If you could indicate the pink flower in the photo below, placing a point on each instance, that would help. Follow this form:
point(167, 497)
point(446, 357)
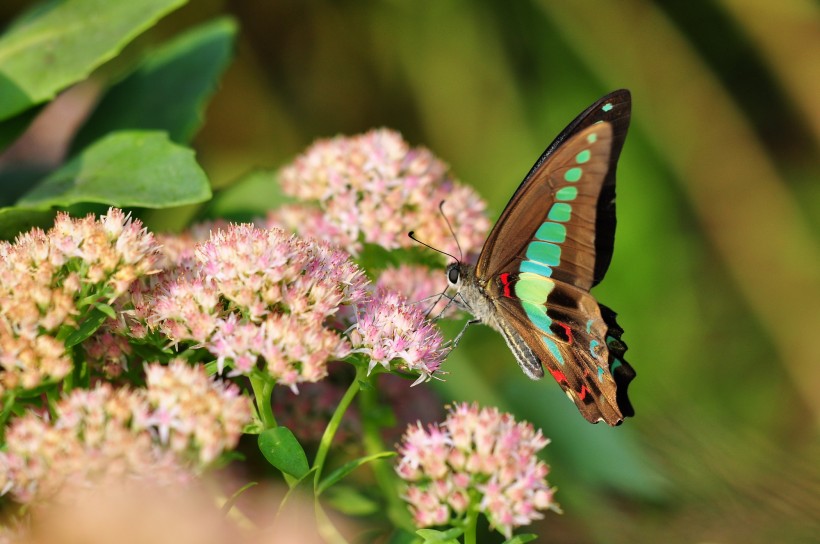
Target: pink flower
point(193, 414)
point(163, 435)
point(389, 329)
point(252, 296)
point(99, 437)
point(47, 281)
point(483, 454)
point(374, 188)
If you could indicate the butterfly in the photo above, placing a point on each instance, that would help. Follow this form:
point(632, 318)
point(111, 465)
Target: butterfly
point(551, 245)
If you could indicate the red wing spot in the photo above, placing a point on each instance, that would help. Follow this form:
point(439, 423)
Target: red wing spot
point(567, 330)
point(583, 392)
point(505, 281)
point(558, 375)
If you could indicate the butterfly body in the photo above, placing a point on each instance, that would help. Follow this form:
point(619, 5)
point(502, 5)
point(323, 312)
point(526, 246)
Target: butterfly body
point(551, 245)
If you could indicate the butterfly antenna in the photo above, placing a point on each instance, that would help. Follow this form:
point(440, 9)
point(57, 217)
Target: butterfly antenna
point(412, 235)
point(449, 226)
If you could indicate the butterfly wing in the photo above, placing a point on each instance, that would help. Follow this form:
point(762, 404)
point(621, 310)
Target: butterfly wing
point(573, 336)
point(553, 243)
point(583, 156)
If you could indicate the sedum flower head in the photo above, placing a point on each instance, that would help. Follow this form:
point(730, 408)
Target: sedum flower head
point(254, 294)
point(47, 280)
point(478, 457)
point(390, 329)
point(375, 188)
point(194, 414)
point(162, 434)
point(99, 436)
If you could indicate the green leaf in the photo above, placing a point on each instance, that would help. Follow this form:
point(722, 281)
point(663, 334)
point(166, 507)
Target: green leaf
point(130, 168)
point(88, 326)
point(521, 539)
point(350, 501)
point(347, 468)
point(442, 537)
point(109, 311)
point(169, 90)
point(14, 221)
point(283, 451)
point(56, 47)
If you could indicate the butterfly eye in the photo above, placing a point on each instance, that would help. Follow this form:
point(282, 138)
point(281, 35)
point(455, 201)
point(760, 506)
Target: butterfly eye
point(452, 275)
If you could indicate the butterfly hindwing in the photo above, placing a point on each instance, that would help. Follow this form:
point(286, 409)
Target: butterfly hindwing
point(569, 333)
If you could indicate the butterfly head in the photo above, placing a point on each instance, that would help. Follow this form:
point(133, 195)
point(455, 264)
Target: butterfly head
point(454, 275)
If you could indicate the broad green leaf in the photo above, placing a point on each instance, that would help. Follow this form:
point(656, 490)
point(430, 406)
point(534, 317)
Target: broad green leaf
point(350, 501)
point(130, 168)
point(56, 47)
point(347, 468)
point(283, 451)
point(169, 90)
point(14, 221)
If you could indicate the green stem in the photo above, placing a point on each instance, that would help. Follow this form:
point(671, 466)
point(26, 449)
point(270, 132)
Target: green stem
point(262, 386)
point(386, 478)
point(333, 424)
point(470, 525)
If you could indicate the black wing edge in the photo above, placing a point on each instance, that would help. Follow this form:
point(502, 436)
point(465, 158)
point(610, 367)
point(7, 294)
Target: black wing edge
point(618, 116)
point(622, 372)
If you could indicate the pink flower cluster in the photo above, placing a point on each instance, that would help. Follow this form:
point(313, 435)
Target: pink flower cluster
point(390, 329)
point(194, 415)
point(476, 458)
point(375, 188)
point(45, 277)
point(253, 293)
point(162, 434)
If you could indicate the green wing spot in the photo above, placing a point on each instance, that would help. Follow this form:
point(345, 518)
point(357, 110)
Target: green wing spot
point(553, 347)
point(560, 212)
point(544, 252)
point(592, 138)
point(535, 268)
point(573, 174)
point(567, 193)
point(552, 232)
point(584, 155)
point(533, 288)
point(606, 107)
point(537, 314)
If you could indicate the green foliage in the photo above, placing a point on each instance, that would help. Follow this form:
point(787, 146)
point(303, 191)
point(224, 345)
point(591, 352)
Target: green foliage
point(63, 42)
point(171, 88)
point(127, 168)
point(283, 451)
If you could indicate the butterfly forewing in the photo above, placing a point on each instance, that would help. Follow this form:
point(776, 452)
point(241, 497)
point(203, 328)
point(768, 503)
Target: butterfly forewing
point(504, 243)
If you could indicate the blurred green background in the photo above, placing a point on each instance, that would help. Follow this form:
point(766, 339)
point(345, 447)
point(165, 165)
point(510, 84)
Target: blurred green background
point(716, 274)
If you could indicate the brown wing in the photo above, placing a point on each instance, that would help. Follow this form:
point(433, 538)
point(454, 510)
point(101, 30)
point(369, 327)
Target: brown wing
point(557, 207)
point(575, 338)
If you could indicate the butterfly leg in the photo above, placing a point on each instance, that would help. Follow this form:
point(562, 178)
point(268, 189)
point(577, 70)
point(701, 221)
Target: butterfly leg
point(457, 339)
